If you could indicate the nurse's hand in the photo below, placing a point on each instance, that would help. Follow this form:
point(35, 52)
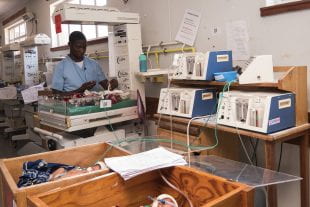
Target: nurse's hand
point(104, 84)
point(87, 86)
point(113, 84)
point(109, 85)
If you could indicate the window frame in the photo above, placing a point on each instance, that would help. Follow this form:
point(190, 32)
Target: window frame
point(96, 40)
point(284, 7)
point(11, 28)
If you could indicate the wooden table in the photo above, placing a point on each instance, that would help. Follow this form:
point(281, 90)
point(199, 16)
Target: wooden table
point(297, 134)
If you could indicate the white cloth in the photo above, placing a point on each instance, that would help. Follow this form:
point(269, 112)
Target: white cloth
point(80, 64)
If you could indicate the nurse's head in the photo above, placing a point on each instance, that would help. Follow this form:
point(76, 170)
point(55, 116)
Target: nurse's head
point(77, 44)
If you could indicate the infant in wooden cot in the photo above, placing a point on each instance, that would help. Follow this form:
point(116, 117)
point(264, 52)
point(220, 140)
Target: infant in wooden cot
point(40, 171)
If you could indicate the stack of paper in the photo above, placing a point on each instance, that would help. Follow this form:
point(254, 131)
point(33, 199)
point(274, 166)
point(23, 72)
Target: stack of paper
point(133, 165)
point(31, 94)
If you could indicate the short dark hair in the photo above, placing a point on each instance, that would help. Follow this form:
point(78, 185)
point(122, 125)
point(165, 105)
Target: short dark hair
point(76, 35)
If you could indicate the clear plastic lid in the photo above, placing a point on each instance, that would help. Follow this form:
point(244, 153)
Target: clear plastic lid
point(236, 171)
point(240, 172)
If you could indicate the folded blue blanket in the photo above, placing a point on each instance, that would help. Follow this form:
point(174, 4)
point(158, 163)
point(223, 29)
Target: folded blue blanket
point(39, 172)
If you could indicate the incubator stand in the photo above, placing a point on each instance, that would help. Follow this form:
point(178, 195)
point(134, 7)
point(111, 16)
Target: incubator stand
point(252, 176)
point(15, 117)
point(71, 114)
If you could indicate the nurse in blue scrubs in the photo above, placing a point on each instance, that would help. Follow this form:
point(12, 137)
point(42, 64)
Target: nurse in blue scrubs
point(77, 73)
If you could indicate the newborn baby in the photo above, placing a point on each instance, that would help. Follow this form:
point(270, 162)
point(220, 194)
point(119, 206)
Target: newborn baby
point(165, 200)
point(63, 173)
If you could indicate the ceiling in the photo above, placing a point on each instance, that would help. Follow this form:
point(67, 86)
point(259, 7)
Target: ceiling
point(7, 6)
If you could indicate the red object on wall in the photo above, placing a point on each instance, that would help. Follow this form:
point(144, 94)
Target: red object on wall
point(58, 23)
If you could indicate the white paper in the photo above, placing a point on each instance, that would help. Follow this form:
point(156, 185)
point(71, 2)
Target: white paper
point(31, 94)
point(189, 27)
point(31, 66)
point(133, 165)
point(238, 40)
point(9, 92)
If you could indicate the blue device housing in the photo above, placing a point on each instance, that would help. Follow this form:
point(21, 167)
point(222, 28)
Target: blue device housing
point(215, 66)
point(280, 119)
point(201, 106)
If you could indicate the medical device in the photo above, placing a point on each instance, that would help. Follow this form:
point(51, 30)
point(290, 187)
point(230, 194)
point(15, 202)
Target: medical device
point(63, 140)
point(264, 112)
point(11, 70)
point(30, 58)
point(124, 51)
point(259, 69)
point(86, 14)
point(187, 102)
point(201, 66)
point(30, 76)
point(10, 47)
point(125, 44)
point(77, 113)
point(36, 40)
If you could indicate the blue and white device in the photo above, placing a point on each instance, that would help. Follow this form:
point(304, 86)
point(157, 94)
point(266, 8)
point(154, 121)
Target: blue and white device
point(201, 66)
point(257, 111)
point(187, 102)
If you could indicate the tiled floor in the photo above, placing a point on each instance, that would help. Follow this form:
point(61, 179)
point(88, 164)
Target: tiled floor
point(6, 148)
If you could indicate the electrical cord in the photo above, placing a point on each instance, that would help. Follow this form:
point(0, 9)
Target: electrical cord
point(176, 189)
point(188, 136)
point(110, 124)
point(227, 86)
point(254, 146)
point(167, 94)
point(208, 118)
point(189, 151)
point(243, 146)
point(115, 135)
point(171, 130)
point(164, 98)
point(188, 129)
point(158, 140)
point(151, 139)
point(280, 158)
point(266, 196)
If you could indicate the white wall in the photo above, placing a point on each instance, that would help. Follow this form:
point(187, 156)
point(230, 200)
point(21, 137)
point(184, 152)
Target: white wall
point(285, 36)
point(282, 36)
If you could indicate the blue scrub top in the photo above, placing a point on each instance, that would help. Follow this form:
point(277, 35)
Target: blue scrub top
point(68, 76)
